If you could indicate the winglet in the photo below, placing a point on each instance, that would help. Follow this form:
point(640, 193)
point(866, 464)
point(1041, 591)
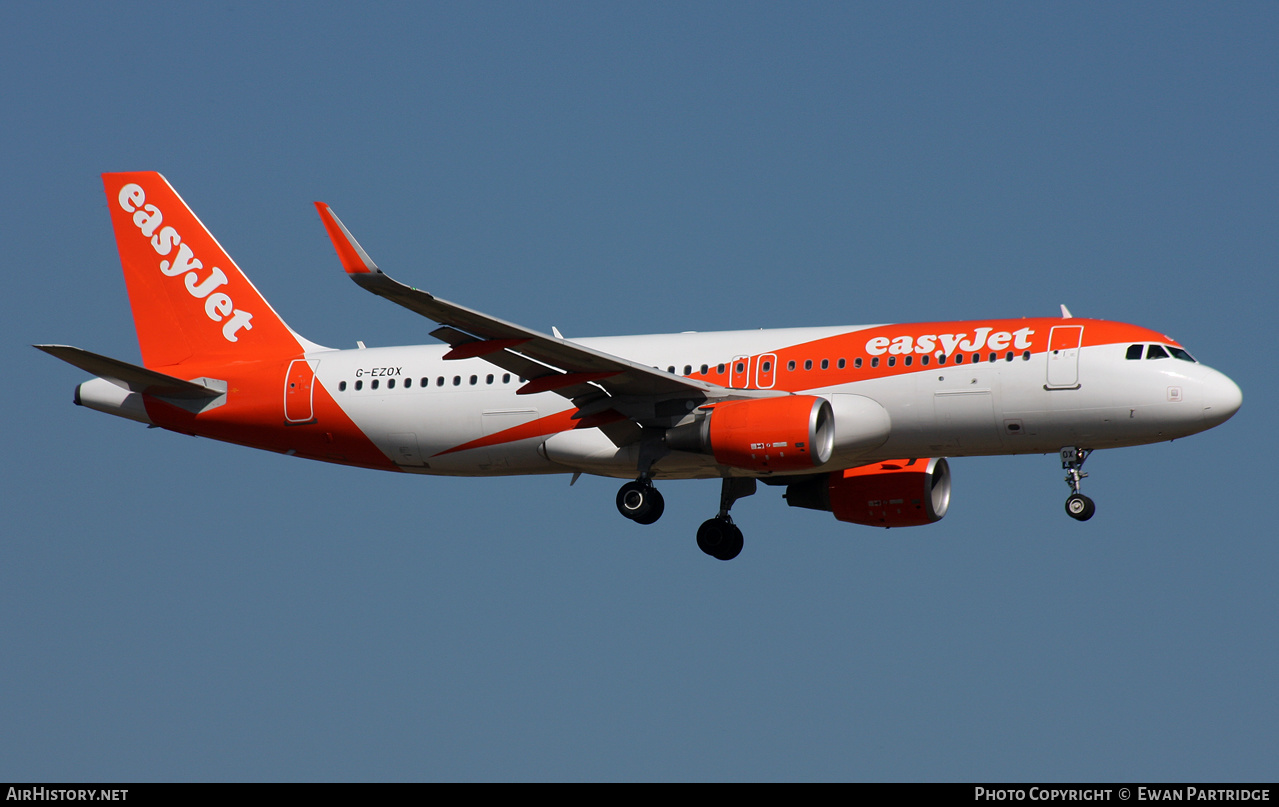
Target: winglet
point(354, 259)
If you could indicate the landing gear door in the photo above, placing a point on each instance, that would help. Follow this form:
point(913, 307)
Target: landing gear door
point(299, 382)
point(1063, 356)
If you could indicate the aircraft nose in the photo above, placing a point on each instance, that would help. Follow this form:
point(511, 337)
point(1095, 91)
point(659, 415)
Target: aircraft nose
point(1221, 399)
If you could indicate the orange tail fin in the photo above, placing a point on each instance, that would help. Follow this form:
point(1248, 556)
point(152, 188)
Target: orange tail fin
point(189, 299)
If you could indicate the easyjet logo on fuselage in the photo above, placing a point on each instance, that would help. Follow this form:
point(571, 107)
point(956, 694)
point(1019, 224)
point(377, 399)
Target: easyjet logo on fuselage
point(218, 305)
point(949, 343)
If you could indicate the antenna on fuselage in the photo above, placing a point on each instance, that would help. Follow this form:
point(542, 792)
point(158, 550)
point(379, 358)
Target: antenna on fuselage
point(1065, 312)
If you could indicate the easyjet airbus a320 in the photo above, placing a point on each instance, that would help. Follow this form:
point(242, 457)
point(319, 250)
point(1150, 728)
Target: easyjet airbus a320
point(854, 420)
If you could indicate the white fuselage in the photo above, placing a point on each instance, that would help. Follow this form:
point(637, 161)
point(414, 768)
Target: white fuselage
point(989, 407)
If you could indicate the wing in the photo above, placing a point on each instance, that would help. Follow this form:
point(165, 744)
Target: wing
point(595, 381)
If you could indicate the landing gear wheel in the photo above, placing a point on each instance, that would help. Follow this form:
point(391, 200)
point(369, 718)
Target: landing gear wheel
point(720, 538)
point(640, 502)
point(657, 505)
point(1080, 507)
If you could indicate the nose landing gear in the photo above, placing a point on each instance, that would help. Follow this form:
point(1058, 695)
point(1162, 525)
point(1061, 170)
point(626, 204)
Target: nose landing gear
point(1078, 506)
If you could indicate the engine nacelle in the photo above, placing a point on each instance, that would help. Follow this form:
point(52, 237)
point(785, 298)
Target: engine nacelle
point(789, 433)
point(894, 493)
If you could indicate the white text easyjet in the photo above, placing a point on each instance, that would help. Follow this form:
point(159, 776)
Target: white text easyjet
point(948, 342)
point(217, 305)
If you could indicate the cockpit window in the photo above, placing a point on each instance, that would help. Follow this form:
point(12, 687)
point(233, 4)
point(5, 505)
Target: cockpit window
point(1135, 351)
point(1178, 353)
point(1156, 352)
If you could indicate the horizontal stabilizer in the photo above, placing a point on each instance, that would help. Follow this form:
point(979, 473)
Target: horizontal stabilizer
point(130, 376)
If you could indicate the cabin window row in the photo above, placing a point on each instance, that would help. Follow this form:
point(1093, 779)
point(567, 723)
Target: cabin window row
point(924, 361)
point(909, 360)
point(440, 381)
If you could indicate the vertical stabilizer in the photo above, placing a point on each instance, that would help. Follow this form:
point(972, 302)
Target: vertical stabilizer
point(190, 301)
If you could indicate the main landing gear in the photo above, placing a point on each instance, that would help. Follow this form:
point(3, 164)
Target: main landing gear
point(1078, 506)
point(640, 502)
point(718, 537)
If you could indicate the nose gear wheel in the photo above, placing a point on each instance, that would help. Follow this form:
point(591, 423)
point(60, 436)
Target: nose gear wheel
point(1078, 506)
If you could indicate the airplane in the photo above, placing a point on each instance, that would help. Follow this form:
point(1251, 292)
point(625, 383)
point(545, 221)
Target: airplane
point(858, 420)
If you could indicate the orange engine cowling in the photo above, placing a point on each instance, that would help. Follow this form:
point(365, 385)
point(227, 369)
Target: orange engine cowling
point(789, 433)
point(894, 493)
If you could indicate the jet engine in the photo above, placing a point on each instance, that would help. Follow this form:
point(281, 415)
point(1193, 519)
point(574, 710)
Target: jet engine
point(788, 433)
point(894, 493)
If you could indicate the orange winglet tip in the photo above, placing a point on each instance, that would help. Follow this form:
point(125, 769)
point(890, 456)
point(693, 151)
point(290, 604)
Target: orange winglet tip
point(354, 259)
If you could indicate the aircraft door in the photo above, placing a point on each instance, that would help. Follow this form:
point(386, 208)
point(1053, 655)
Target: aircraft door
point(740, 373)
point(299, 384)
point(1063, 356)
point(765, 366)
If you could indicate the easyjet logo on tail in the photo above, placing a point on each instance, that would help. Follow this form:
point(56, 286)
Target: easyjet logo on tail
point(218, 305)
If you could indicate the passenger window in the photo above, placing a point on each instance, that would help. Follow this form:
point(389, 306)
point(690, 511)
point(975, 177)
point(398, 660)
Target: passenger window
point(704, 369)
point(941, 358)
point(390, 384)
point(341, 386)
point(808, 364)
point(1134, 352)
point(474, 379)
point(874, 362)
point(909, 360)
point(719, 368)
point(892, 361)
point(825, 364)
point(439, 382)
point(671, 369)
point(374, 384)
point(1025, 356)
point(840, 364)
point(1008, 356)
point(994, 357)
point(923, 361)
point(688, 369)
point(488, 379)
point(457, 380)
point(790, 365)
point(506, 378)
point(857, 362)
point(359, 385)
point(959, 358)
point(1156, 352)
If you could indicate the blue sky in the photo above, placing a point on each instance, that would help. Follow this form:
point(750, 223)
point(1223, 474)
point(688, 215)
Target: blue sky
point(177, 609)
